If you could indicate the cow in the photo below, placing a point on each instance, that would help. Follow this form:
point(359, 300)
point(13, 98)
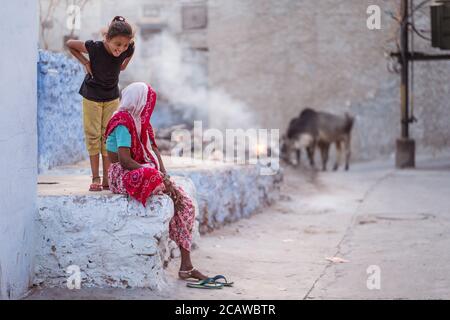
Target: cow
point(313, 129)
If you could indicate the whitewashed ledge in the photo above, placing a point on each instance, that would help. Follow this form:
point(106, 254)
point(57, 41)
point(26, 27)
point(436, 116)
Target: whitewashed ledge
point(230, 192)
point(116, 242)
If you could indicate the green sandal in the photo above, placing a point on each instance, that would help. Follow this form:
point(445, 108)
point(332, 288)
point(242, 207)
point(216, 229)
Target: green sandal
point(215, 279)
point(207, 283)
point(225, 283)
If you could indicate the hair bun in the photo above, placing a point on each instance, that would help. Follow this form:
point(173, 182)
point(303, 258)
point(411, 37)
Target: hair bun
point(119, 18)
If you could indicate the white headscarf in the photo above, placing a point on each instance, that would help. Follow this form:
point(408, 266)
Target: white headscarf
point(134, 98)
point(133, 101)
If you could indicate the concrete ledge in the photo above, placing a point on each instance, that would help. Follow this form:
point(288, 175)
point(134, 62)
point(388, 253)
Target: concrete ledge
point(112, 240)
point(229, 193)
point(116, 242)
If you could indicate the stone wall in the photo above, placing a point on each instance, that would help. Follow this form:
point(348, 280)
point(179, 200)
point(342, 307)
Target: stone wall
point(117, 243)
point(60, 116)
point(159, 15)
point(231, 192)
point(113, 240)
point(60, 122)
point(18, 145)
point(282, 56)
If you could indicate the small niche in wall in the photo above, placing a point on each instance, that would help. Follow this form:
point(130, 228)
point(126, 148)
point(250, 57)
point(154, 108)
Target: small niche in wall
point(150, 11)
point(194, 17)
point(147, 32)
point(67, 38)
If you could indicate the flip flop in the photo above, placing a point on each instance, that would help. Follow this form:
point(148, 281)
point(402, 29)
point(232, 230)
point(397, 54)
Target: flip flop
point(215, 279)
point(225, 283)
point(208, 283)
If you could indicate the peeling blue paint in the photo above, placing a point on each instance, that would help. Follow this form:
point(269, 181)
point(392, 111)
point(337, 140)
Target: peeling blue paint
point(60, 123)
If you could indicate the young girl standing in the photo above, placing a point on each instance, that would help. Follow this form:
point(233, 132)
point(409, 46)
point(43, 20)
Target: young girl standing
point(100, 89)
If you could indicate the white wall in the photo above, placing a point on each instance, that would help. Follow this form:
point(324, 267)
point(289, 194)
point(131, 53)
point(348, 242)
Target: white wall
point(18, 145)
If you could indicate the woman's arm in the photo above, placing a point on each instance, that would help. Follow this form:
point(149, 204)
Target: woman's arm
point(77, 48)
point(173, 191)
point(126, 161)
point(158, 155)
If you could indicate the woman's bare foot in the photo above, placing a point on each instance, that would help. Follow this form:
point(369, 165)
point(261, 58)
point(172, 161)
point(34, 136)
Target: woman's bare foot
point(190, 273)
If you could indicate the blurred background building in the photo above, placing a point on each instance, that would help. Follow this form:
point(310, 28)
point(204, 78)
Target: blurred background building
point(258, 63)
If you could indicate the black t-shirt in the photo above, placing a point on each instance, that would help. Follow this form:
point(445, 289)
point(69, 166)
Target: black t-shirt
point(104, 85)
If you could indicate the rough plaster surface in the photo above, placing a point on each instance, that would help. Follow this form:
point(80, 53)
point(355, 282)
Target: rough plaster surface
point(118, 243)
point(60, 121)
point(279, 57)
point(18, 145)
point(114, 240)
point(230, 193)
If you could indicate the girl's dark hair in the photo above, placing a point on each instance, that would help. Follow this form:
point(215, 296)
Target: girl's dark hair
point(119, 27)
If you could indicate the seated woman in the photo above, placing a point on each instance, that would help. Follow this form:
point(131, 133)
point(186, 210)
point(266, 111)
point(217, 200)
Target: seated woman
point(137, 168)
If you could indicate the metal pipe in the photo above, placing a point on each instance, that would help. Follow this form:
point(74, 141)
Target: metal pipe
point(404, 88)
point(419, 56)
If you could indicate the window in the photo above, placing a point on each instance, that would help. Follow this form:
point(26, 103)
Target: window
point(150, 11)
point(194, 17)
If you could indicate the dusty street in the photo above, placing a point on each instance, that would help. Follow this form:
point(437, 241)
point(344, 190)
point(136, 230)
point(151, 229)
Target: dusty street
point(396, 221)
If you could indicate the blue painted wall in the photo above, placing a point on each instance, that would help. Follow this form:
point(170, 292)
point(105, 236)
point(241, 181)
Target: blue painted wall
point(60, 122)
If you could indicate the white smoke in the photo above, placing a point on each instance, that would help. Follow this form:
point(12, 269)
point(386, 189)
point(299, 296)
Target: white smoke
point(182, 81)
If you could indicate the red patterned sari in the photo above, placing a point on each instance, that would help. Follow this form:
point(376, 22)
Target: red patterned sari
point(146, 181)
point(143, 182)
